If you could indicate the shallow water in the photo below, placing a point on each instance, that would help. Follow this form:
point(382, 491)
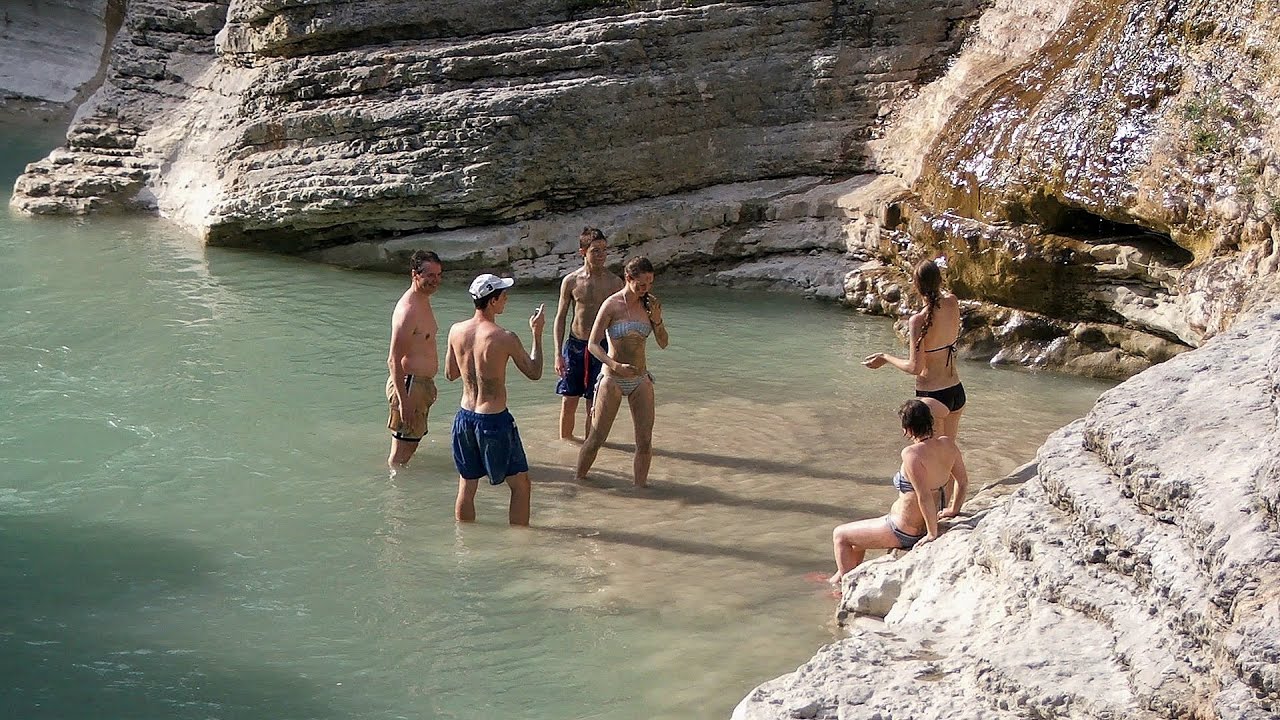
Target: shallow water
point(197, 521)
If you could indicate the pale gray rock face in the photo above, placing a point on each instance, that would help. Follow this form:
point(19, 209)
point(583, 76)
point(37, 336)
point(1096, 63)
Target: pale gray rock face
point(1134, 574)
point(153, 107)
point(326, 123)
point(51, 49)
point(772, 234)
point(1102, 194)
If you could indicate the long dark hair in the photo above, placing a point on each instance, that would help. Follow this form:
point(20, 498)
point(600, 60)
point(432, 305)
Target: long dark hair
point(929, 284)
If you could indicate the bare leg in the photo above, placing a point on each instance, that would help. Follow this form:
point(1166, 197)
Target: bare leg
point(851, 541)
point(951, 424)
point(401, 451)
point(464, 510)
point(951, 428)
point(608, 399)
point(568, 408)
point(521, 491)
point(642, 417)
point(591, 405)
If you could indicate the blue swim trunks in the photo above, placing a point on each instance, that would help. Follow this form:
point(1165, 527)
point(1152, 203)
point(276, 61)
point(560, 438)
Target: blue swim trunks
point(581, 369)
point(487, 444)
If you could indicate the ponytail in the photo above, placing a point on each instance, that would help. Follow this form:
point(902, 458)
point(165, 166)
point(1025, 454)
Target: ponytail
point(928, 280)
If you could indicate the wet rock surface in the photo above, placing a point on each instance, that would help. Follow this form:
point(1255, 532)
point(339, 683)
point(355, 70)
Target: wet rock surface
point(1132, 571)
point(1135, 118)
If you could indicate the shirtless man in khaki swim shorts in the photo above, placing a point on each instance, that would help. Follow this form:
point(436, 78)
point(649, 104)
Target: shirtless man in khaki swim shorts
point(412, 360)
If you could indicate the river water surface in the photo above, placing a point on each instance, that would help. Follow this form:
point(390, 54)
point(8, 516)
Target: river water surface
point(196, 520)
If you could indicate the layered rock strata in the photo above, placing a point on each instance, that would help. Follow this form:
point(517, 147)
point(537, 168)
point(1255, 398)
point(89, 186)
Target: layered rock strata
point(323, 123)
point(772, 234)
point(51, 52)
point(137, 126)
point(1100, 176)
point(1132, 572)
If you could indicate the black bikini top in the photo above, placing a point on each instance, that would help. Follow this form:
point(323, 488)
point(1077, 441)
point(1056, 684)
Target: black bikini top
point(951, 351)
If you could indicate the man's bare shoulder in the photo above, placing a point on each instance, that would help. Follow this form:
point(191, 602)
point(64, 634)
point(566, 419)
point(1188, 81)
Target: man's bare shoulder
point(459, 328)
point(403, 304)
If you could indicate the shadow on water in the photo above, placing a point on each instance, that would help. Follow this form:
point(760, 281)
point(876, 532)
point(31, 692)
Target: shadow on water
point(733, 462)
point(791, 563)
point(78, 636)
point(686, 494)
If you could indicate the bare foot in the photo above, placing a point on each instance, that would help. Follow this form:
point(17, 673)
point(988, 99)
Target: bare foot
point(947, 515)
point(819, 577)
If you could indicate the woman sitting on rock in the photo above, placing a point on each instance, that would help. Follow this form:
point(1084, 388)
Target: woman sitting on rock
point(928, 464)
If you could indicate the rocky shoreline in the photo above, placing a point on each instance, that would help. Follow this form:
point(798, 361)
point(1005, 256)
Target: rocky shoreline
point(1132, 571)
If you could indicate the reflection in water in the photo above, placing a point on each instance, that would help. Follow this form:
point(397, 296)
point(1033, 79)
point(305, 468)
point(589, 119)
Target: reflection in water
point(233, 403)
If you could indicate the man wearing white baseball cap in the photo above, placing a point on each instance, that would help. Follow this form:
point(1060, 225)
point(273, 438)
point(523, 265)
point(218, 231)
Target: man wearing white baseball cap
point(486, 440)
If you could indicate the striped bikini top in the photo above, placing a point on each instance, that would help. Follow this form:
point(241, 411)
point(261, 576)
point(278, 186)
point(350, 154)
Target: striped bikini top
point(622, 327)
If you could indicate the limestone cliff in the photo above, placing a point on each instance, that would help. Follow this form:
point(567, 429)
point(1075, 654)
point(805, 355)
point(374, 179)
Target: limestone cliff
point(305, 125)
point(1107, 164)
point(1132, 572)
point(51, 55)
point(1100, 174)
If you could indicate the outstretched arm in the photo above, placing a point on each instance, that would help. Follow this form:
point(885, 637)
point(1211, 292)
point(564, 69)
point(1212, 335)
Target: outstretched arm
point(911, 365)
point(530, 364)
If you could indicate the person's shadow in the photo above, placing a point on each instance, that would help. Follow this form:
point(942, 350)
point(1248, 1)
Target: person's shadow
point(684, 493)
point(791, 563)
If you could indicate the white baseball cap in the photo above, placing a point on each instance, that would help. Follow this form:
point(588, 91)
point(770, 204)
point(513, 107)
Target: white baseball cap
point(486, 284)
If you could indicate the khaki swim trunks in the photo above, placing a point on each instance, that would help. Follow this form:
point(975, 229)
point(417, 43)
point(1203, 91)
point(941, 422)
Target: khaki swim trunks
point(410, 424)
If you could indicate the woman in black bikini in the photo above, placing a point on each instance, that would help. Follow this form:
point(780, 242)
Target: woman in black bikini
point(931, 346)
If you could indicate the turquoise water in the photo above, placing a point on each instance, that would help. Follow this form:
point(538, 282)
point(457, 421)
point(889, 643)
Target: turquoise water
point(197, 522)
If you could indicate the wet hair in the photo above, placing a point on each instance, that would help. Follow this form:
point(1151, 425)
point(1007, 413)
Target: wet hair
point(929, 284)
point(588, 236)
point(482, 303)
point(419, 259)
point(637, 266)
point(917, 419)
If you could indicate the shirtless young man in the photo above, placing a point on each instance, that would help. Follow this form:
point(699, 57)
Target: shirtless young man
point(586, 288)
point(485, 438)
point(412, 360)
